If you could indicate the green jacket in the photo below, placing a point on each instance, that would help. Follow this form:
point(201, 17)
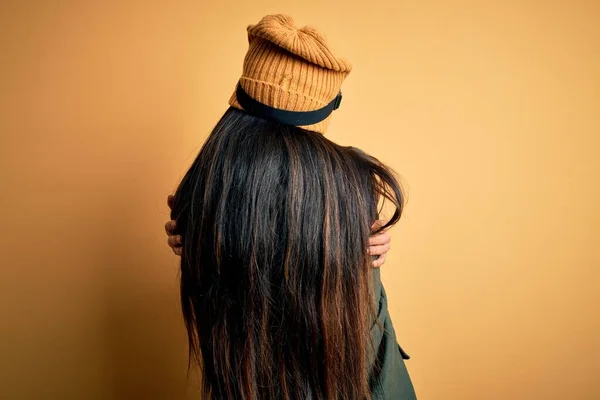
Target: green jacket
point(388, 377)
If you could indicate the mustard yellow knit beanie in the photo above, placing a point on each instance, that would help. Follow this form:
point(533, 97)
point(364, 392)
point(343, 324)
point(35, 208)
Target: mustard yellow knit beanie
point(290, 75)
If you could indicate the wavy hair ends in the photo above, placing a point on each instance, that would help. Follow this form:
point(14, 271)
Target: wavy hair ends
point(275, 277)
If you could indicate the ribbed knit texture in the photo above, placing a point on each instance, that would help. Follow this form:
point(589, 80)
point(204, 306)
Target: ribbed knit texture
point(291, 68)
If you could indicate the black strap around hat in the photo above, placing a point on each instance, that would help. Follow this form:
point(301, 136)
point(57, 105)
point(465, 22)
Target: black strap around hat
point(295, 118)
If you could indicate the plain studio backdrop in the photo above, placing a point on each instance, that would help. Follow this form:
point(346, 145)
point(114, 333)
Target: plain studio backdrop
point(489, 110)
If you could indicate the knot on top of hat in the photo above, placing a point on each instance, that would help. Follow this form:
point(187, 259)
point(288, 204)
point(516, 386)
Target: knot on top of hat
point(305, 42)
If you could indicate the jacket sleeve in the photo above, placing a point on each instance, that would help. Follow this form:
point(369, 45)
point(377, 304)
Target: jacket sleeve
point(388, 376)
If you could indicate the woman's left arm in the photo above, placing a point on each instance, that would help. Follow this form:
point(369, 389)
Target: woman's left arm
point(379, 244)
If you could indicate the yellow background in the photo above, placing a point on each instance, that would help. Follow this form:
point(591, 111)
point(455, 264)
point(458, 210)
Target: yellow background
point(489, 110)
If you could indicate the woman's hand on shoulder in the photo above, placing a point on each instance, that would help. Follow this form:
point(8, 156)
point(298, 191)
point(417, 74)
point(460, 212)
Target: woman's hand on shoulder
point(174, 241)
point(379, 245)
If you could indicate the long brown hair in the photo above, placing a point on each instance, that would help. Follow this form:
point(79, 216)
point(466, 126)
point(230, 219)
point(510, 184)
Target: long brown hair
point(275, 276)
